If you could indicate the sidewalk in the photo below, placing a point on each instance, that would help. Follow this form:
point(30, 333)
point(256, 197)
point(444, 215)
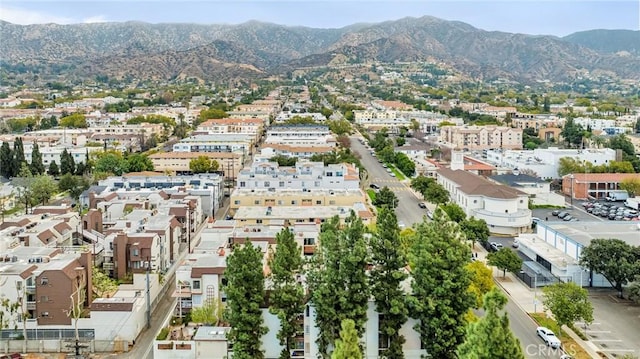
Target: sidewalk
point(528, 299)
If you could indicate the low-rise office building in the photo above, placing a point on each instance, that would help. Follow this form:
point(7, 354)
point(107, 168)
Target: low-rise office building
point(216, 143)
point(177, 163)
point(539, 190)
point(594, 185)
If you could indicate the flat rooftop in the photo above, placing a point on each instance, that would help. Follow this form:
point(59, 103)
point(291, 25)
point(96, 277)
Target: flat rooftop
point(584, 232)
point(292, 212)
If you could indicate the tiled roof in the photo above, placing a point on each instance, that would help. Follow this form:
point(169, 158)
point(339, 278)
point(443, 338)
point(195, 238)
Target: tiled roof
point(472, 184)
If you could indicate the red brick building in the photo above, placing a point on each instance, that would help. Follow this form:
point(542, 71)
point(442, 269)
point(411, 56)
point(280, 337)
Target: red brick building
point(594, 185)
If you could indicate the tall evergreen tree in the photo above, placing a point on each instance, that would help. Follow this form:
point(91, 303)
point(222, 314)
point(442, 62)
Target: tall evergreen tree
point(36, 166)
point(338, 281)
point(6, 160)
point(386, 275)
point(287, 296)
point(440, 296)
point(348, 346)
point(245, 295)
point(67, 164)
point(490, 337)
point(53, 168)
point(18, 155)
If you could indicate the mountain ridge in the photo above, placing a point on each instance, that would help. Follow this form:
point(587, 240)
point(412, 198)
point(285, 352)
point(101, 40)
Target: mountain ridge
point(257, 49)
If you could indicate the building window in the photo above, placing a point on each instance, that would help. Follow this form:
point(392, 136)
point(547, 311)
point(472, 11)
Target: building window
point(44, 314)
point(294, 202)
point(309, 241)
point(256, 202)
point(136, 252)
point(258, 221)
point(280, 202)
point(196, 284)
point(267, 184)
point(319, 202)
point(44, 281)
point(44, 298)
point(332, 203)
point(236, 202)
point(281, 184)
point(242, 184)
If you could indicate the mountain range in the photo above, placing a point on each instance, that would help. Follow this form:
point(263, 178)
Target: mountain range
point(256, 49)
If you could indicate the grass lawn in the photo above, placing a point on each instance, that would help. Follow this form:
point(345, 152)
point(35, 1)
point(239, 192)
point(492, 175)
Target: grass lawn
point(372, 194)
point(568, 344)
point(399, 175)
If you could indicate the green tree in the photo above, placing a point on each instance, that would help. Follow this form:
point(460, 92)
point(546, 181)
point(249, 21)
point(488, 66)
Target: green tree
point(42, 188)
point(616, 260)
point(36, 166)
point(475, 230)
point(547, 105)
point(67, 163)
point(455, 212)
point(506, 260)
point(436, 194)
point(421, 183)
point(284, 161)
point(568, 303)
point(208, 314)
point(338, 280)
point(440, 297)
point(387, 273)
point(348, 346)
point(481, 281)
point(74, 184)
point(203, 164)
point(386, 198)
point(111, 162)
point(18, 153)
point(245, 294)
point(340, 127)
point(6, 161)
point(490, 337)
point(138, 162)
point(76, 120)
point(53, 169)
point(102, 284)
point(572, 132)
point(23, 183)
point(287, 297)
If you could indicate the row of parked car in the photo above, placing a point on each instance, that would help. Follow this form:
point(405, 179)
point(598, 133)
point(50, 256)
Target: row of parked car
point(563, 215)
point(610, 211)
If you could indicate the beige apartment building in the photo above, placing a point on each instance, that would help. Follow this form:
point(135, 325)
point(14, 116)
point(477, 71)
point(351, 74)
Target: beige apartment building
point(481, 137)
point(252, 126)
point(294, 197)
point(178, 162)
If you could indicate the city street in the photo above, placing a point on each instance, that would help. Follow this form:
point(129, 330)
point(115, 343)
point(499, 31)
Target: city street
point(524, 328)
point(408, 211)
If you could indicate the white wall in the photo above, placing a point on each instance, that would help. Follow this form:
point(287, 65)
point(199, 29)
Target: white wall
point(270, 343)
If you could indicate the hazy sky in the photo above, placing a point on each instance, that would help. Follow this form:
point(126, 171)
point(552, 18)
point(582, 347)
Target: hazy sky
point(548, 17)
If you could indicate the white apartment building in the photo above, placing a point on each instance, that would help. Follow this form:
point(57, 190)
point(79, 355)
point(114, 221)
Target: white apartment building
point(505, 209)
point(287, 115)
point(594, 123)
point(300, 135)
point(481, 137)
point(545, 162)
point(305, 175)
point(216, 143)
point(50, 154)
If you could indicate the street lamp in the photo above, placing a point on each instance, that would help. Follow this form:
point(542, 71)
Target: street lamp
point(572, 177)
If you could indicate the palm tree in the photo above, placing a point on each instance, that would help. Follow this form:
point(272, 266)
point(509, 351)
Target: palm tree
point(598, 141)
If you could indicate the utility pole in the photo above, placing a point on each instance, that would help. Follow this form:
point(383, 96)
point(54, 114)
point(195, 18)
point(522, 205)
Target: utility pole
point(148, 294)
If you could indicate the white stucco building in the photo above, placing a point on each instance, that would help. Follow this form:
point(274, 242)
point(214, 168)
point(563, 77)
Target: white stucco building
point(505, 209)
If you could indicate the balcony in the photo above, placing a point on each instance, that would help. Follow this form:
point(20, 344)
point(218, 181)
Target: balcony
point(31, 305)
point(182, 291)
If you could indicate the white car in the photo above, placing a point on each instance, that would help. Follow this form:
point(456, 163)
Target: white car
point(548, 337)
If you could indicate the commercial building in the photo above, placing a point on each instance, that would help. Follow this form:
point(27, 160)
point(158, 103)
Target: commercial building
point(539, 190)
point(545, 162)
point(555, 248)
point(594, 185)
point(300, 136)
point(481, 137)
point(216, 143)
point(229, 163)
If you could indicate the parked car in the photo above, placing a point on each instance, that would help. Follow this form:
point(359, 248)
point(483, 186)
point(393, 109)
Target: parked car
point(422, 205)
point(555, 212)
point(567, 218)
point(515, 243)
point(561, 215)
point(374, 186)
point(495, 246)
point(548, 337)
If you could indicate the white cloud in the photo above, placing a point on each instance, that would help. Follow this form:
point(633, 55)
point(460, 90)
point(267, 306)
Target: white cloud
point(94, 19)
point(27, 17)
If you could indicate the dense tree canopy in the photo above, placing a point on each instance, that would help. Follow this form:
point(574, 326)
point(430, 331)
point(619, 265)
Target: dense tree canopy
point(616, 260)
point(568, 302)
point(506, 260)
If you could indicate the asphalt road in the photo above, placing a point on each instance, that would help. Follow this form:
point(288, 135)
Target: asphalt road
point(524, 328)
point(408, 211)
